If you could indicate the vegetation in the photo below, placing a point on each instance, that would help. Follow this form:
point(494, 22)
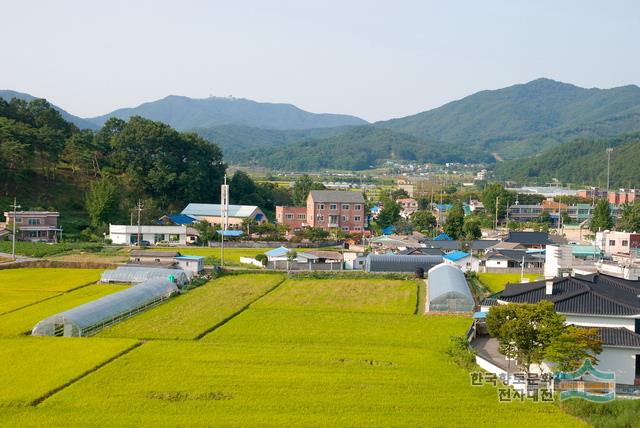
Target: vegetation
point(212, 254)
point(23, 320)
point(301, 188)
point(46, 279)
point(498, 281)
point(602, 219)
point(32, 367)
point(361, 295)
point(615, 414)
point(41, 249)
point(630, 218)
point(455, 221)
point(196, 312)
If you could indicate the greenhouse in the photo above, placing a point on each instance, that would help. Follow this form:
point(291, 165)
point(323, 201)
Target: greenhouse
point(137, 274)
point(400, 263)
point(88, 319)
point(448, 290)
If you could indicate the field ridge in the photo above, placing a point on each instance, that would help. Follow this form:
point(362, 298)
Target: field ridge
point(94, 369)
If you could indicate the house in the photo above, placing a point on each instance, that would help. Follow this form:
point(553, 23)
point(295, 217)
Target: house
point(613, 242)
point(156, 258)
point(398, 263)
point(294, 217)
point(34, 226)
point(153, 234)
point(279, 258)
point(611, 304)
point(212, 213)
point(463, 260)
point(529, 239)
point(421, 251)
point(330, 209)
point(176, 220)
point(624, 196)
point(193, 264)
point(479, 246)
point(513, 259)
point(407, 206)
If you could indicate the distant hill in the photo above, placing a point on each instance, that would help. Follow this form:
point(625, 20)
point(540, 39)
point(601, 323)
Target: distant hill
point(356, 148)
point(525, 119)
point(78, 121)
point(580, 162)
point(185, 113)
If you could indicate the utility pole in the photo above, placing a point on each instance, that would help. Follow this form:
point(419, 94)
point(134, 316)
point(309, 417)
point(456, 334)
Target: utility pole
point(609, 150)
point(15, 206)
point(497, 203)
point(139, 208)
point(224, 211)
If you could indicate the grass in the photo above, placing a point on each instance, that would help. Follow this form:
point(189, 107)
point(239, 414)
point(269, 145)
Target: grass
point(265, 383)
point(23, 320)
point(618, 413)
point(497, 281)
point(31, 367)
point(23, 287)
point(362, 295)
point(231, 255)
point(41, 249)
point(194, 313)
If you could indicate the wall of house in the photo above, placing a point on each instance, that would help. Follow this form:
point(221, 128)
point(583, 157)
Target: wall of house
point(294, 217)
point(621, 361)
point(594, 321)
point(319, 212)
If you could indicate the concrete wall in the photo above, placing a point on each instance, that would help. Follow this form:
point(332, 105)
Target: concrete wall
point(621, 361)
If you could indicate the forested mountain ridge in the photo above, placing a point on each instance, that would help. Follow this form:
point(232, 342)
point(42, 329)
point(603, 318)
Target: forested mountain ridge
point(581, 162)
point(526, 119)
point(78, 121)
point(184, 113)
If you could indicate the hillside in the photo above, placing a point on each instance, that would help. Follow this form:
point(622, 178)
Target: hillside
point(357, 148)
point(78, 121)
point(185, 113)
point(580, 162)
point(525, 119)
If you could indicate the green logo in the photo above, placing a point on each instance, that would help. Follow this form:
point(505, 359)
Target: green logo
point(598, 386)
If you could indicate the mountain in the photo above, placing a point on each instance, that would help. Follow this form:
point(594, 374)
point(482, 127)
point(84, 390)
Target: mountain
point(356, 148)
point(525, 119)
point(78, 121)
point(185, 113)
point(581, 162)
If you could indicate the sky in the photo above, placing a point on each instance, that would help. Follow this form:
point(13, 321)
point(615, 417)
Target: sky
point(373, 59)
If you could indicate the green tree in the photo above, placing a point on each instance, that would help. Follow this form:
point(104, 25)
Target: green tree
point(601, 219)
point(423, 220)
point(455, 221)
point(570, 348)
point(206, 231)
point(630, 218)
point(471, 228)
point(545, 217)
point(101, 201)
point(301, 188)
point(488, 198)
point(389, 214)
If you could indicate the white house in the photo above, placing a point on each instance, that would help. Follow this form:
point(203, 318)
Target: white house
point(212, 213)
point(193, 264)
point(465, 261)
point(154, 234)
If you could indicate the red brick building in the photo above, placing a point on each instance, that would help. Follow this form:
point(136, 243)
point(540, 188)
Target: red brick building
point(327, 209)
point(294, 217)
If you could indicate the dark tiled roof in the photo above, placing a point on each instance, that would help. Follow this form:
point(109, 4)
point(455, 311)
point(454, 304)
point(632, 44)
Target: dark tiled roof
point(621, 336)
point(158, 254)
point(594, 295)
point(421, 251)
point(443, 245)
point(529, 238)
point(336, 196)
point(482, 244)
point(515, 255)
point(489, 301)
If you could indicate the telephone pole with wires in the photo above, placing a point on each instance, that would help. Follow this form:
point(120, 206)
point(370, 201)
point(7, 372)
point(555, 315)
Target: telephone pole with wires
point(15, 207)
point(139, 208)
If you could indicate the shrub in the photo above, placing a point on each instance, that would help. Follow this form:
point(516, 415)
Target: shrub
point(461, 352)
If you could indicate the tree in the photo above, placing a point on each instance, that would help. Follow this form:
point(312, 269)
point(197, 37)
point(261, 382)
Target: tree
point(301, 188)
point(630, 218)
point(570, 348)
point(601, 219)
point(398, 193)
point(101, 201)
point(389, 214)
point(455, 221)
point(423, 221)
point(525, 331)
point(291, 256)
point(545, 217)
point(471, 228)
point(488, 198)
point(566, 218)
point(206, 231)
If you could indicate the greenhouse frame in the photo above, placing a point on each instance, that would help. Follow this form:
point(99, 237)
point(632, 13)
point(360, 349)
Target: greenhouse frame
point(138, 274)
point(90, 318)
point(448, 290)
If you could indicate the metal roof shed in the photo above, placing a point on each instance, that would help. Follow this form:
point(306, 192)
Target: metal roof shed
point(448, 290)
point(399, 263)
point(138, 274)
point(88, 319)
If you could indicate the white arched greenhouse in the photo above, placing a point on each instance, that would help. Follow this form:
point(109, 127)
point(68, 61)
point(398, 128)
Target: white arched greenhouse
point(448, 290)
point(138, 274)
point(88, 319)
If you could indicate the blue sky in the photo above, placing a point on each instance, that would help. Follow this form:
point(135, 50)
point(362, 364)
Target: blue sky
point(373, 59)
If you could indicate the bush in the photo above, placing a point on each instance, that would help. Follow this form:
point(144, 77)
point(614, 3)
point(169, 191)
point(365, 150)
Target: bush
point(461, 352)
point(618, 413)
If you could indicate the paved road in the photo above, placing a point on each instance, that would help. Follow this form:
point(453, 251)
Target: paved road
point(18, 258)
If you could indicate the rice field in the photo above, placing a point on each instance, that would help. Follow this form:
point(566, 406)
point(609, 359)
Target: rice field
point(23, 320)
point(194, 313)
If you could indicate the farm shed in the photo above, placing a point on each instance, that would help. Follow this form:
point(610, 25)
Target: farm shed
point(398, 263)
point(448, 290)
point(88, 319)
point(138, 274)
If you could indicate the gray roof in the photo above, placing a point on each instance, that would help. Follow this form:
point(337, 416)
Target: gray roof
point(482, 244)
point(138, 274)
point(448, 282)
point(444, 245)
point(581, 294)
point(214, 210)
point(399, 263)
point(336, 196)
point(159, 254)
point(620, 337)
point(529, 238)
point(421, 251)
point(514, 255)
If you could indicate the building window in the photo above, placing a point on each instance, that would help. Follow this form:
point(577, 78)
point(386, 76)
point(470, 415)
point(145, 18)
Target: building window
point(345, 206)
point(289, 216)
point(333, 206)
point(612, 242)
point(320, 217)
point(345, 218)
point(625, 243)
point(358, 228)
point(320, 206)
point(345, 229)
point(302, 216)
point(33, 221)
point(357, 207)
point(18, 219)
point(356, 218)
